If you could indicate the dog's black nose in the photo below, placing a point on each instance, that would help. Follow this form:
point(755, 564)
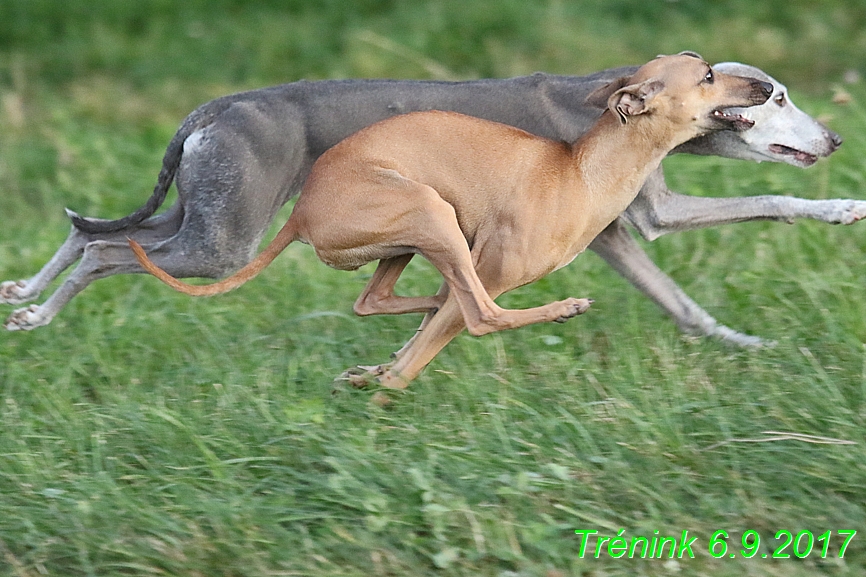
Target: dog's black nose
point(835, 139)
point(761, 91)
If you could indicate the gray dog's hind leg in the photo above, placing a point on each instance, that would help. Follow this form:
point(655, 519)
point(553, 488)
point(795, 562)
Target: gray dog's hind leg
point(106, 256)
point(658, 211)
point(102, 259)
point(617, 247)
point(22, 291)
point(156, 228)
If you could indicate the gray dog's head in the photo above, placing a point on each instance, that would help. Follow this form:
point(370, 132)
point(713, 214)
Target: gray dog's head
point(782, 132)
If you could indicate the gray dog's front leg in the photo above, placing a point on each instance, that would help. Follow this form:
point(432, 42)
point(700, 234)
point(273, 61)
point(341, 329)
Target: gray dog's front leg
point(658, 211)
point(617, 247)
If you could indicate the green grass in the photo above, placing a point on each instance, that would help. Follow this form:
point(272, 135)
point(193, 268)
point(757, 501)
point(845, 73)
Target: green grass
point(147, 433)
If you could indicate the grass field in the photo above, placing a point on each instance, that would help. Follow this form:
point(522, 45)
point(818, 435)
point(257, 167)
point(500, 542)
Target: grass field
point(148, 433)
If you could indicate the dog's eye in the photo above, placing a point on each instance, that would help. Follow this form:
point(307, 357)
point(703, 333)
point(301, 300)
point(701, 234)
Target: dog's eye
point(709, 78)
point(780, 99)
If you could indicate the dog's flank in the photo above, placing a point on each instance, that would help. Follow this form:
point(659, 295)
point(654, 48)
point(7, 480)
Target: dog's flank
point(491, 206)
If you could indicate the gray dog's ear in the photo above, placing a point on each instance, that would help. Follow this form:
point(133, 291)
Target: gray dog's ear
point(635, 99)
point(598, 97)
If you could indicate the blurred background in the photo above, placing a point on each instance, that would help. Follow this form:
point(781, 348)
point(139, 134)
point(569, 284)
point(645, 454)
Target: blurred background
point(228, 43)
point(221, 449)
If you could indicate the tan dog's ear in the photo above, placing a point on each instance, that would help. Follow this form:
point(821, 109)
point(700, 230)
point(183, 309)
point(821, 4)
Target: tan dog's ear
point(692, 54)
point(686, 53)
point(598, 97)
point(635, 99)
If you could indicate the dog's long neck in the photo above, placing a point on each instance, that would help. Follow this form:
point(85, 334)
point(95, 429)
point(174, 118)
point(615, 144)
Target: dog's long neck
point(606, 169)
point(612, 161)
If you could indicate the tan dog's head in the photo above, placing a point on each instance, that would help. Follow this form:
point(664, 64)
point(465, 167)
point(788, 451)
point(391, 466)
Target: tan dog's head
point(685, 93)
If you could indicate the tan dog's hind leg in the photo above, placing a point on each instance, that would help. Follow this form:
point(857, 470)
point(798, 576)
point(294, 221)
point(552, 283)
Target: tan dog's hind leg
point(434, 231)
point(442, 294)
point(378, 297)
point(468, 304)
point(440, 329)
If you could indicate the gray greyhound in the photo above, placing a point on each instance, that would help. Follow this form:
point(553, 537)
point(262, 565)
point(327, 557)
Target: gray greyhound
point(224, 160)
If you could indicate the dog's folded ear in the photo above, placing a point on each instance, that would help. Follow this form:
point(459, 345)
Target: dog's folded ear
point(598, 98)
point(634, 99)
point(625, 99)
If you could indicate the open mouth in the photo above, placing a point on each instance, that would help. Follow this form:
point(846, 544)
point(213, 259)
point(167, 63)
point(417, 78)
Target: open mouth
point(803, 158)
point(736, 121)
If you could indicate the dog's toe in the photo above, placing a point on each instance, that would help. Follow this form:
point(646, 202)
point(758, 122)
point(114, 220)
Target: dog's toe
point(361, 381)
point(843, 211)
point(362, 377)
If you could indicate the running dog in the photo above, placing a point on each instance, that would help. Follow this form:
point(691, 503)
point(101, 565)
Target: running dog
point(490, 206)
point(238, 159)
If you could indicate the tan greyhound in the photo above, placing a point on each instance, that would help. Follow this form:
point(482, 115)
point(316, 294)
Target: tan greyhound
point(490, 206)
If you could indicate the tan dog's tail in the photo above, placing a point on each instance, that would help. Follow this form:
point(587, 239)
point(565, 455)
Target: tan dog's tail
point(283, 239)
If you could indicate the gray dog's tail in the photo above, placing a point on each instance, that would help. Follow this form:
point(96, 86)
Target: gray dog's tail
point(170, 162)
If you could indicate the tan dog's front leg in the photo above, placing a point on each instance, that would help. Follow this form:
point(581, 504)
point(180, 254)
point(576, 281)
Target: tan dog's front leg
point(434, 231)
point(435, 332)
point(480, 313)
point(440, 330)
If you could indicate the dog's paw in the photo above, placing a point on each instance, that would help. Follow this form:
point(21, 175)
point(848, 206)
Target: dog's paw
point(854, 211)
point(574, 307)
point(739, 339)
point(14, 292)
point(26, 319)
point(361, 377)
